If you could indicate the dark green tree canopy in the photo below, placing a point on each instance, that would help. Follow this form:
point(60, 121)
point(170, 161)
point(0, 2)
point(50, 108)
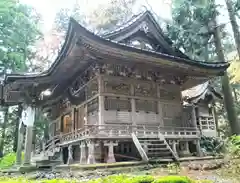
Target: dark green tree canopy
point(19, 29)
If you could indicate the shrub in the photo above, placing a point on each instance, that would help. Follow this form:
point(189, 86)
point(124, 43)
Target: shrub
point(123, 178)
point(8, 160)
point(173, 179)
point(211, 145)
point(234, 146)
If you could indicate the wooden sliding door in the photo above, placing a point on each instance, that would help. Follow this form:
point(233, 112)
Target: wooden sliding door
point(67, 123)
point(80, 116)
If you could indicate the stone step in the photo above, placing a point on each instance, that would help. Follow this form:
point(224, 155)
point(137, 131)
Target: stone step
point(160, 152)
point(158, 148)
point(162, 160)
point(149, 143)
point(159, 155)
point(151, 140)
point(156, 145)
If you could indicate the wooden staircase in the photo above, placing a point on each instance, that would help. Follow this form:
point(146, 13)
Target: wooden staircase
point(154, 148)
point(46, 155)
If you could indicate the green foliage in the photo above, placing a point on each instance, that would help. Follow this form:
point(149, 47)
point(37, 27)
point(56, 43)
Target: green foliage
point(211, 145)
point(234, 146)
point(18, 31)
point(191, 29)
point(174, 179)
point(24, 180)
point(8, 160)
point(234, 70)
point(194, 32)
point(112, 179)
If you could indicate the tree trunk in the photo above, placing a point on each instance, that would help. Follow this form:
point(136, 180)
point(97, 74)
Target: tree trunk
point(234, 24)
point(226, 88)
point(4, 125)
point(19, 114)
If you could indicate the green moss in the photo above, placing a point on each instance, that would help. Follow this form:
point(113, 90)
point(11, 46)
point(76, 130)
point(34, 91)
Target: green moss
point(8, 160)
point(174, 179)
point(110, 179)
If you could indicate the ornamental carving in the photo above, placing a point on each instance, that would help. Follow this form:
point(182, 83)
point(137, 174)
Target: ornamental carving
point(169, 94)
point(123, 71)
point(117, 88)
point(145, 90)
point(116, 70)
point(84, 78)
point(65, 105)
point(139, 73)
point(92, 89)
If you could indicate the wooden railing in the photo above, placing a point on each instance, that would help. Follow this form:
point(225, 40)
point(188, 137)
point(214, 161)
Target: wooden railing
point(51, 144)
point(119, 131)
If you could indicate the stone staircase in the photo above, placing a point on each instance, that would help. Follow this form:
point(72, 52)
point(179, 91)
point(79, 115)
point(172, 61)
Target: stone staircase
point(154, 148)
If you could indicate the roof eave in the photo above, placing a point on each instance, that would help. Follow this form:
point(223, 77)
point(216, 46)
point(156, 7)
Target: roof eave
point(90, 37)
point(62, 54)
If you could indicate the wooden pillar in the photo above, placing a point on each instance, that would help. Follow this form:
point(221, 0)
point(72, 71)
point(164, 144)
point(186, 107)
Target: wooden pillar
point(100, 101)
point(133, 106)
point(28, 119)
point(86, 114)
point(159, 108)
point(19, 143)
point(28, 145)
point(185, 151)
point(198, 148)
point(187, 147)
point(73, 118)
point(70, 154)
point(215, 118)
point(110, 157)
point(91, 152)
point(52, 128)
point(83, 158)
point(61, 156)
point(194, 116)
point(174, 147)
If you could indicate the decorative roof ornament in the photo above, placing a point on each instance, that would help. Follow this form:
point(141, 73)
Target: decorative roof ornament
point(144, 27)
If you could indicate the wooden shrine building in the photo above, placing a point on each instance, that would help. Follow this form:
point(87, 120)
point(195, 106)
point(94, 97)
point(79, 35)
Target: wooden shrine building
point(117, 97)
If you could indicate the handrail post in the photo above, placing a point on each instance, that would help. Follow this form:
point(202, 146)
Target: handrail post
point(159, 133)
point(43, 146)
point(144, 130)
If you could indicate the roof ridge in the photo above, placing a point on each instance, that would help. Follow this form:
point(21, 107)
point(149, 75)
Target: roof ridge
point(130, 21)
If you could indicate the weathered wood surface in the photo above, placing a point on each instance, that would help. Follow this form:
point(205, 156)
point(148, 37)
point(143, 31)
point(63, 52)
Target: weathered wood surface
point(139, 148)
point(125, 131)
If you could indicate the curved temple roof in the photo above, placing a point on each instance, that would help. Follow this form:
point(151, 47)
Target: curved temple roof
point(199, 92)
point(76, 31)
point(82, 47)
